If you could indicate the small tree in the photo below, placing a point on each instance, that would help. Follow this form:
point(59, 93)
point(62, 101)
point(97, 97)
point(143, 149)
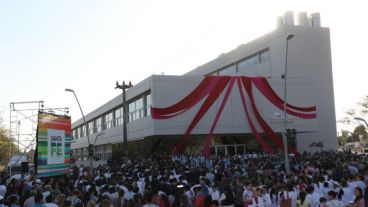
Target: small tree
point(5, 144)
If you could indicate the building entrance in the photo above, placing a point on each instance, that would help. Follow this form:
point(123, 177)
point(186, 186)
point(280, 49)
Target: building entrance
point(234, 149)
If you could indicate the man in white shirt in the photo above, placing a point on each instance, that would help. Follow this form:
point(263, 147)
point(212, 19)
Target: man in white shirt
point(215, 193)
point(332, 201)
point(266, 198)
point(2, 189)
point(310, 198)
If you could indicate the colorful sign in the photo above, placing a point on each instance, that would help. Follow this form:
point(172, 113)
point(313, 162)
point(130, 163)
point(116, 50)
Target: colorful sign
point(53, 145)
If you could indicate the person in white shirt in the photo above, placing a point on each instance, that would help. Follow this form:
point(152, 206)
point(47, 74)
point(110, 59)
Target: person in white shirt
point(257, 200)
point(215, 193)
point(2, 189)
point(248, 194)
point(346, 193)
point(293, 195)
point(266, 198)
point(310, 198)
point(332, 201)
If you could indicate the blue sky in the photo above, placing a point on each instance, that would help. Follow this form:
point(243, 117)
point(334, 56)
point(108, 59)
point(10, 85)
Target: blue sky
point(47, 46)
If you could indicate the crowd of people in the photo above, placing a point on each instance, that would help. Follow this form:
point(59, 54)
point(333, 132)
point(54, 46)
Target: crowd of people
point(326, 179)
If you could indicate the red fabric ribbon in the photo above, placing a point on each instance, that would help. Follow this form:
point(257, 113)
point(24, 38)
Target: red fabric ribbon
point(258, 137)
point(212, 87)
point(270, 94)
point(202, 90)
point(271, 134)
point(223, 81)
point(219, 112)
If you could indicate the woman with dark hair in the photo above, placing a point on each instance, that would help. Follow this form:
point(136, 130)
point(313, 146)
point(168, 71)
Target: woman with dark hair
point(303, 201)
point(359, 200)
point(227, 197)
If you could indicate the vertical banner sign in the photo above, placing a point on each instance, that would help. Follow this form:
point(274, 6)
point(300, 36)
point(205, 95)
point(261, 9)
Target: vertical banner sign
point(53, 145)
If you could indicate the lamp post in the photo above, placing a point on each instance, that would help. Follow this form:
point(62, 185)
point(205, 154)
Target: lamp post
point(85, 125)
point(284, 137)
point(363, 120)
point(124, 87)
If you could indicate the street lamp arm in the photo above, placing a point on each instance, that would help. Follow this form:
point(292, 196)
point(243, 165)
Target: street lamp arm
point(361, 119)
point(80, 108)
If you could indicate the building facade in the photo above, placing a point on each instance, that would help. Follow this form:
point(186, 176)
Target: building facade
point(309, 83)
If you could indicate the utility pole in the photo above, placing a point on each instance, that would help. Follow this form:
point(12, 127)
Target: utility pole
point(124, 87)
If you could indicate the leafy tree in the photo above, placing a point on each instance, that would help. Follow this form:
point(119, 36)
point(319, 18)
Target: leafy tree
point(361, 130)
point(5, 144)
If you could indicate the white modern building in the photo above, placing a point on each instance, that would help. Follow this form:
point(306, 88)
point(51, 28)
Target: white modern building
point(309, 83)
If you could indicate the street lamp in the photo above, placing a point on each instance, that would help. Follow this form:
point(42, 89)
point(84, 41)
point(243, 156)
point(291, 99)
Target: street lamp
point(284, 137)
point(363, 120)
point(85, 124)
point(124, 87)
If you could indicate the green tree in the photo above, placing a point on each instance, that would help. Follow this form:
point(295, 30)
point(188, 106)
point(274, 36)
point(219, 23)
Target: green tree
point(5, 144)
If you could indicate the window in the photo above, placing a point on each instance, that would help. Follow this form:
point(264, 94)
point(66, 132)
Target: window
point(79, 132)
point(231, 70)
point(139, 108)
point(91, 127)
point(131, 111)
point(252, 60)
point(108, 121)
point(75, 136)
point(264, 56)
point(119, 116)
point(148, 105)
point(98, 124)
point(83, 131)
point(136, 109)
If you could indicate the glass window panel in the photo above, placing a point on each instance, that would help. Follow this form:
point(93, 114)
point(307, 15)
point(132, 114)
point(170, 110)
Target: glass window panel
point(84, 131)
point(80, 133)
point(98, 124)
point(119, 116)
point(108, 120)
point(90, 127)
point(265, 56)
point(139, 103)
point(148, 105)
point(252, 60)
point(75, 134)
